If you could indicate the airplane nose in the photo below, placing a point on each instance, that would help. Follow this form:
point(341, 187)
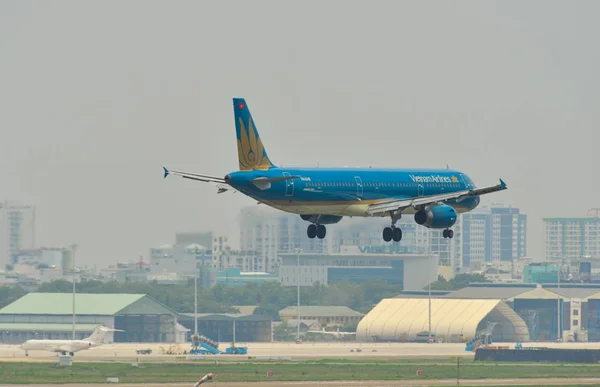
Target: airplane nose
point(227, 179)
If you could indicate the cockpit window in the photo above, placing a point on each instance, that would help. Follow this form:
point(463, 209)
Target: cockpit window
point(468, 181)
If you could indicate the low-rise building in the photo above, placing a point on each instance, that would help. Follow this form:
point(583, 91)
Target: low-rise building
point(360, 264)
point(210, 277)
point(325, 315)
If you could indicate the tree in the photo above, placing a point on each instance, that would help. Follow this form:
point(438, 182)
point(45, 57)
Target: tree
point(9, 294)
point(283, 332)
point(460, 281)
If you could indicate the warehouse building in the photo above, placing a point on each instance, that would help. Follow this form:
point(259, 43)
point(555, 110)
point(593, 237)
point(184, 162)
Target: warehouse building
point(407, 319)
point(325, 315)
point(359, 264)
point(50, 316)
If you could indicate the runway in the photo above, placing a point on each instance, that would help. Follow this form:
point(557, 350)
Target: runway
point(126, 352)
point(284, 351)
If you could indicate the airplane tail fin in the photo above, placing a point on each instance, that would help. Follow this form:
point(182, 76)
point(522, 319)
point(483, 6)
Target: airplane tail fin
point(98, 335)
point(251, 152)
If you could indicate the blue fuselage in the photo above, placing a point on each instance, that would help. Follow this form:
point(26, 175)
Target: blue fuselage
point(349, 191)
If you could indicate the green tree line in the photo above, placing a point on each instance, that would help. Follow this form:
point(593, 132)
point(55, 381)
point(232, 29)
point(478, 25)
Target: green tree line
point(269, 298)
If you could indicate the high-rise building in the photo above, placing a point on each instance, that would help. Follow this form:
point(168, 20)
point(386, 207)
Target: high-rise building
point(495, 233)
point(573, 239)
point(17, 231)
point(269, 232)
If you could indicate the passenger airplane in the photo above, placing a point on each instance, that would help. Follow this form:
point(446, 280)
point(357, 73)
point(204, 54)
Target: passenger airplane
point(337, 334)
point(68, 346)
point(325, 195)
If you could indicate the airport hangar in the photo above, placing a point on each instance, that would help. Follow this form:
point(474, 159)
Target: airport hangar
point(230, 327)
point(523, 312)
point(50, 316)
point(541, 305)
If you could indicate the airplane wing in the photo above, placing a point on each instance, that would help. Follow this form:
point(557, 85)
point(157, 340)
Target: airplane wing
point(218, 181)
point(401, 204)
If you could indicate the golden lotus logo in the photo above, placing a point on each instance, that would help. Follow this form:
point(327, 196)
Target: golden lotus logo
point(251, 153)
point(454, 179)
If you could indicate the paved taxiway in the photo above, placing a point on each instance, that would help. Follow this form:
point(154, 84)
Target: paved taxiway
point(127, 351)
point(261, 351)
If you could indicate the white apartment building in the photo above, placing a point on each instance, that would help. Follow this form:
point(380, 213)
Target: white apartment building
point(494, 233)
point(573, 239)
point(17, 230)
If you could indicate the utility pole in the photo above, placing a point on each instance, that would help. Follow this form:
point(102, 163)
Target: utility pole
point(196, 301)
point(558, 306)
point(298, 291)
point(73, 248)
point(195, 337)
point(429, 293)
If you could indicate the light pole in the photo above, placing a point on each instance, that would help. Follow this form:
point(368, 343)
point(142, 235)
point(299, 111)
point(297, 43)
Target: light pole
point(298, 290)
point(195, 336)
point(73, 248)
point(558, 305)
point(196, 301)
point(429, 294)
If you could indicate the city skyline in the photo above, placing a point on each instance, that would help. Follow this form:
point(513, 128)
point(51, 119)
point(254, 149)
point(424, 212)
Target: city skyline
point(250, 217)
point(497, 90)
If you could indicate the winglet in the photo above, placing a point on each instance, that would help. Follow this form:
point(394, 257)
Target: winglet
point(166, 172)
point(502, 184)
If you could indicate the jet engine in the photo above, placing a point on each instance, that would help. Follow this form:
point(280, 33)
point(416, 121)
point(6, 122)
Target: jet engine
point(436, 216)
point(322, 219)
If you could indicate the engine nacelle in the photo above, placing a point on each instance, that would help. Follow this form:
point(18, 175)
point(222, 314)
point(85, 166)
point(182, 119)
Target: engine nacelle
point(324, 219)
point(436, 216)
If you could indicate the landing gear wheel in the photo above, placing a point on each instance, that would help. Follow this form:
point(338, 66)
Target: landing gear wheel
point(387, 234)
point(321, 231)
point(71, 353)
point(311, 231)
point(397, 234)
point(448, 234)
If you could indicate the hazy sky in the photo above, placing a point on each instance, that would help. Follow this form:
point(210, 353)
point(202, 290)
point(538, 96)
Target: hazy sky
point(96, 96)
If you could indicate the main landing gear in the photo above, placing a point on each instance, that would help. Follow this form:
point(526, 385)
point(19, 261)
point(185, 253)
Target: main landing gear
point(448, 234)
point(316, 230)
point(393, 232)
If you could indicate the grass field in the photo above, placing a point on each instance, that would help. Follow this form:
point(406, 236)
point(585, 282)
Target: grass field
point(46, 373)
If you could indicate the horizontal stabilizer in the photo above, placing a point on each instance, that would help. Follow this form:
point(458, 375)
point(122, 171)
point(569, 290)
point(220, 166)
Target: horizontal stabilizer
point(195, 176)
